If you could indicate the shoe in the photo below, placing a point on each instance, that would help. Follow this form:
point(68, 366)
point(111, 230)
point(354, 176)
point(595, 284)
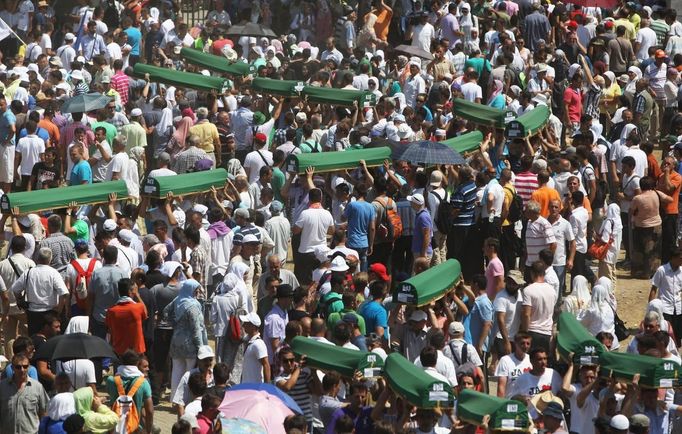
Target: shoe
point(623, 265)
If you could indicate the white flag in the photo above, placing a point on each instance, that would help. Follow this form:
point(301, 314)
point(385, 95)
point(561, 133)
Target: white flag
point(5, 30)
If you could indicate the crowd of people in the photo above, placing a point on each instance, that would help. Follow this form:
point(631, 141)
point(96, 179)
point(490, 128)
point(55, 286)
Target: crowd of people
point(200, 292)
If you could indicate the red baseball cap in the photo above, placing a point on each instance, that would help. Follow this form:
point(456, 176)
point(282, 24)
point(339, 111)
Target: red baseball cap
point(260, 137)
point(379, 270)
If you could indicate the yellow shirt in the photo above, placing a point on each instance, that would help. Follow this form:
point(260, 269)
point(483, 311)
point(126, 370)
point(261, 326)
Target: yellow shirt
point(208, 133)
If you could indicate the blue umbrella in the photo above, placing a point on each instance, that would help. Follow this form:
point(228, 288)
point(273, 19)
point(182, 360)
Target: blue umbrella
point(272, 390)
point(431, 153)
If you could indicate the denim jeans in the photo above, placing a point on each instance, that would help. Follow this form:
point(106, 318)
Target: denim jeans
point(561, 274)
point(362, 252)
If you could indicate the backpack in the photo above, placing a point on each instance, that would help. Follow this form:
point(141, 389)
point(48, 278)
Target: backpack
point(600, 194)
point(125, 408)
point(314, 147)
point(111, 16)
point(462, 363)
point(515, 207)
point(444, 213)
point(391, 227)
point(83, 277)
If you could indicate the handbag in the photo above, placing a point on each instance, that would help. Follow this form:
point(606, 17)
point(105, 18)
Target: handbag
point(599, 248)
point(621, 330)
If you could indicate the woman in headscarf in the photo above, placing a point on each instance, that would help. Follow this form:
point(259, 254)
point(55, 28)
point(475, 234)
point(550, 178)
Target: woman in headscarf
point(98, 417)
point(136, 166)
point(497, 99)
point(611, 231)
point(634, 73)
point(81, 372)
point(606, 283)
point(60, 407)
point(579, 297)
point(599, 316)
point(189, 333)
point(609, 101)
point(163, 131)
point(177, 143)
point(231, 299)
point(270, 56)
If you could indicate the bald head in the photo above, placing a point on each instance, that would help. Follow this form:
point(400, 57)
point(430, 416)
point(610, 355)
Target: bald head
point(318, 328)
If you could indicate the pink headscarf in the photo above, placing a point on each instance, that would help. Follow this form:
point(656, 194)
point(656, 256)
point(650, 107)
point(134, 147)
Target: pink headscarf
point(278, 45)
point(182, 128)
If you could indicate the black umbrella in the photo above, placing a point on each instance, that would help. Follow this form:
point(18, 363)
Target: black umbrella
point(431, 153)
point(75, 346)
point(411, 50)
point(251, 29)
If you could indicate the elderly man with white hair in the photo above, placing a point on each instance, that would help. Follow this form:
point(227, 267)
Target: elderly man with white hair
point(209, 141)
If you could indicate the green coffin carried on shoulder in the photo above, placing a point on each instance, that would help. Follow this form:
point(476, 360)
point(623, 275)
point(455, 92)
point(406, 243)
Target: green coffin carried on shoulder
point(429, 285)
point(466, 142)
point(215, 63)
point(337, 160)
point(345, 361)
point(187, 183)
point(499, 414)
point(56, 198)
point(181, 78)
point(528, 123)
point(416, 386)
point(574, 338)
point(479, 114)
point(653, 372)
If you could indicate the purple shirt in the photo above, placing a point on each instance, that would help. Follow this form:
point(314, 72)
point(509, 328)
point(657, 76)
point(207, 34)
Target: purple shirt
point(449, 25)
point(275, 323)
point(421, 221)
point(363, 421)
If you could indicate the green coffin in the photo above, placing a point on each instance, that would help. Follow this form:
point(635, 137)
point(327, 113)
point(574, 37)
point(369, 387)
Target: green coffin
point(188, 183)
point(505, 414)
point(277, 87)
point(181, 78)
point(479, 113)
point(55, 198)
point(345, 361)
point(215, 63)
point(466, 142)
point(574, 338)
point(429, 285)
point(337, 160)
point(528, 123)
point(341, 97)
point(653, 372)
point(416, 386)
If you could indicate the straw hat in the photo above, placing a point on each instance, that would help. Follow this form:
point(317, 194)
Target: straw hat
point(542, 400)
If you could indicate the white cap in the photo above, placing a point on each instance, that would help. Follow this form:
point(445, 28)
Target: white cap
point(301, 116)
point(136, 112)
point(399, 118)
point(205, 352)
point(416, 198)
point(109, 225)
point(80, 59)
point(540, 99)
point(33, 67)
point(201, 209)
point(436, 179)
point(572, 70)
point(250, 238)
point(126, 235)
point(206, 72)
point(619, 422)
point(455, 328)
point(69, 37)
point(250, 317)
point(321, 253)
point(24, 220)
point(339, 264)
point(77, 74)
point(418, 315)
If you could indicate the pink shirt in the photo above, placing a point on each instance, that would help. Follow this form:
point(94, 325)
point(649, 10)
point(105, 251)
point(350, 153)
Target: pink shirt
point(574, 102)
point(494, 269)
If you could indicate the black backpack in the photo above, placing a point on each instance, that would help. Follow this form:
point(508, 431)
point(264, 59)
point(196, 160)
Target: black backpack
point(600, 194)
point(515, 207)
point(443, 218)
point(462, 363)
point(111, 16)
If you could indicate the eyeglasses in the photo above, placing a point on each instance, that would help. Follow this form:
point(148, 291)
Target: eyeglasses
point(18, 367)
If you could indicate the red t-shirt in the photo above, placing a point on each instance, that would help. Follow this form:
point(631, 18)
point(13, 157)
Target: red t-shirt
point(124, 321)
point(574, 102)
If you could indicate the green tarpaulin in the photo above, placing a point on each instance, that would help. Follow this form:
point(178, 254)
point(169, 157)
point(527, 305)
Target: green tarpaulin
point(429, 285)
point(338, 160)
point(528, 123)
point(653, 372)
point(215, 63)
point(414, 385)
point(55, 198)
point(345, 361)
point(574, 338)
point(466, 142)
point(181, 78)
point(479, 113)
point(504, 414)
point(188, 183)
point(322, 95)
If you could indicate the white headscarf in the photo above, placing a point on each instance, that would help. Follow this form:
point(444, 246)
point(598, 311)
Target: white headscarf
point(234, 281)
point(608, 284)
point(61, 406)
point(632, 84)
point(656, 305)
point(170, 267)
point(599, 303)
point(166, 120)
point(579, 297)
point(627, 129)
point(77, 324)
point(612, 223)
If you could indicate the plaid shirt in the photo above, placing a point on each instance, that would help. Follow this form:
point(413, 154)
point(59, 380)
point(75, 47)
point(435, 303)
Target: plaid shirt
point(591, 102)
point(186, 159)
point(62, 250)
point(198, 260)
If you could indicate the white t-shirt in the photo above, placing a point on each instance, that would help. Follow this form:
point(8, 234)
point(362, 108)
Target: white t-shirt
point(101, 168)
point(30, 148)
point(471, 91)
point(582, 417)
point(422, 36)
point(164, 171)
point(72, 275)
point(252, 370)
point(25, 8)
point(498, 194)
point(669, 283)
point(118, 164)
point(254, 162)
point(562, 232)
point(641, 162)
point(578, 219)
point(530, 385)
point(315, 223)
point(541, 297)
point(511, 367)
point(81, 372)
point(512, 307)
point(646, 38)
point(45, 42)
point(629, 184)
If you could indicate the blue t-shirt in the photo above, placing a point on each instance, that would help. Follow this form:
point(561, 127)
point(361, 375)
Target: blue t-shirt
point(359, 215)
point(421, 221)
point(40, 132)
point(32, 372)
point(81, 172)
point(134, 37)
point(375, 315)
point(481, 312)
point(6, 121)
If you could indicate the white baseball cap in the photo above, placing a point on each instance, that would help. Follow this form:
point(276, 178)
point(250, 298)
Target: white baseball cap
point(205, 352)
point(416, 199)
point(250, 317)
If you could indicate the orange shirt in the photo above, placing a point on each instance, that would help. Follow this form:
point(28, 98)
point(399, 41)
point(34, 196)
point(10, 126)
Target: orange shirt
point(124, 321)
point(51, 129)
point(676, 181)
point(544, 195)
point(654, 169)
point(382, 23)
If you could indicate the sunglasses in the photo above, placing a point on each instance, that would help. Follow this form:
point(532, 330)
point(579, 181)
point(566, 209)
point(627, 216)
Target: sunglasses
point(18, 367)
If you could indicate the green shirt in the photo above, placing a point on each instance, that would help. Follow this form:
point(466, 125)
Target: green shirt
point(82, 231)
point(143, 393)
point(110, 128)
point(335, 317)
point(278, 181)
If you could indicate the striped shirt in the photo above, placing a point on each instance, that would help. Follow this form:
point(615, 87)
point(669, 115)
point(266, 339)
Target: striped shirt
point(526, 183)
point(539, 236)
point(406, 214)
point(300, 393)
point(120, 83)
point(464, 200)
point(661, 28)
point(591, 102)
